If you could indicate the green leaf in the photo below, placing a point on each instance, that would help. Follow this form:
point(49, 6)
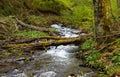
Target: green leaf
point(114, 58)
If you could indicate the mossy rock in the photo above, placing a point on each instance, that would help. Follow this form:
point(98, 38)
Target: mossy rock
point(54, 6)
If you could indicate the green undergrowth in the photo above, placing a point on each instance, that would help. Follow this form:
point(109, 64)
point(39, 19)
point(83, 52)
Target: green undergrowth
point(31, 34)
point(107, 60)
point(9, 27)
point(114, 8)
point(55, 6)
point(81, 15)
point(37, 20)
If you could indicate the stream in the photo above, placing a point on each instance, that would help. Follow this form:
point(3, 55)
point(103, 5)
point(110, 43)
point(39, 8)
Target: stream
point(57, 61)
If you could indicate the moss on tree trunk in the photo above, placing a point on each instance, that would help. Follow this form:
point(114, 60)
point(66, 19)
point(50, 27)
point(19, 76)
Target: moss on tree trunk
point(102, 19)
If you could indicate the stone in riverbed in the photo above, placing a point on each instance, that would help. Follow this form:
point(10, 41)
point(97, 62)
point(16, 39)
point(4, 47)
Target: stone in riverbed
point(47, 74)
point(16, 75)
point(20, 75)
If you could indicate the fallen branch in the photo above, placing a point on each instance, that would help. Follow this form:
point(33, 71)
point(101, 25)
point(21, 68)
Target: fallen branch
point(106, 46)
point(4, 23)
point(107, 36)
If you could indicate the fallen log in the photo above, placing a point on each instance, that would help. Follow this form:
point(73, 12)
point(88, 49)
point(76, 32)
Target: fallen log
point(31, 26)
point(20, 40)
point(29, 43)
point(44, 44)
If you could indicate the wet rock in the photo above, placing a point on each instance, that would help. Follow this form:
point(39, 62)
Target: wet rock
point(72, 75)
point(20, 75)
point(16, 75)
point(47, 74)
point(66, 32)
point(90, 74)
point(56, 26)
point(15, 71)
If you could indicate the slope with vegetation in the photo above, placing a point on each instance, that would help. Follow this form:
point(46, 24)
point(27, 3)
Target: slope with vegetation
point(103, 54)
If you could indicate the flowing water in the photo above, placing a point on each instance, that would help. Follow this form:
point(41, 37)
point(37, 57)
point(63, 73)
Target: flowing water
point(57, 61)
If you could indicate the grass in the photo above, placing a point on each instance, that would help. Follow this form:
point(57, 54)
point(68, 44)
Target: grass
point(37, 20)
point(31, 34)
point(8, 20)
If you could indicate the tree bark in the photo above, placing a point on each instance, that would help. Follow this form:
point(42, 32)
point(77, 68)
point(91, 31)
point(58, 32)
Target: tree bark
point(118, 2)
point(95, 2)
point(31, 26)
point(101, 15)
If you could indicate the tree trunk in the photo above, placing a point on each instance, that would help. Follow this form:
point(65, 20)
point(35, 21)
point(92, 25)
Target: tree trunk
point(31, 26)
point(101, 13)
point(25, 46)
point(95, 2)
point(118, 2)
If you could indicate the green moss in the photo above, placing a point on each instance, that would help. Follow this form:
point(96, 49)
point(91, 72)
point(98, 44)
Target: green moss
point(7, 54)
point(18, 53)
point(114, 8)
point(9, 20)
point(31, 34)
point(37, 20)
point(55, 6)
